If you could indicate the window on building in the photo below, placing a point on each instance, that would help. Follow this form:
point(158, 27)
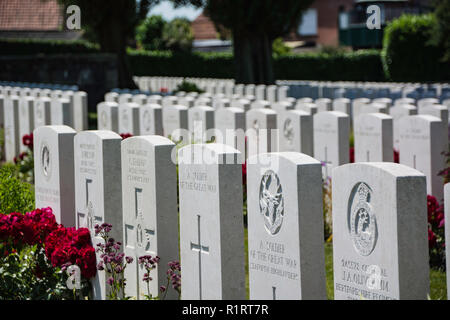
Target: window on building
point(308, 25)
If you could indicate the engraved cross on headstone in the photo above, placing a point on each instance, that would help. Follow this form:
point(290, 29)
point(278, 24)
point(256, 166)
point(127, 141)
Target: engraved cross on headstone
point(88, 219)
point(201, 249)
point(137, 234)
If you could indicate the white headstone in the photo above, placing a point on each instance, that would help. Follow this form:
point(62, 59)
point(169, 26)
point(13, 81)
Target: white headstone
point(98, 191)
point(296, 131)
point(285, 227)
point(397, 112)
point(230, 124)
point(374, 138)
point(129, 121)
point(150, 120)
point(150, 214)
point(324, 104)
point(26, 118)
point(54, 171)
point(112, 97)
point(331, 140)
point(380, 245)
point(80, 111)
point(421, 147)
point(342, 105)
point(201, 119)
point(125, 98)
point(107, 116)
point(61, 112)
point(447, 233)
point(261, 125)
point(42, 112)
point(175, 118)
point(309, 108)
point(12, 139)
point(211, 224)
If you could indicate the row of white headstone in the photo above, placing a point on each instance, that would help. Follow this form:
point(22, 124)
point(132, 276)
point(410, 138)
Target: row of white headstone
point(379, 216)
point(24, 109)
point(227, 87)
point(310, 128)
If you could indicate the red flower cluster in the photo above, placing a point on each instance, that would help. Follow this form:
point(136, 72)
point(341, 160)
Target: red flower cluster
point(63, 246)
point(27, 140)
point(126, 135)
point(67, 246)
point(352, 154)
point(20, 157)
point(396, 156)
point(30, 228)
point(163, 90)
point(435, 219)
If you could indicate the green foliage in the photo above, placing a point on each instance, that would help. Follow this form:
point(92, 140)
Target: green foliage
point(409, 55)
point(279, 48)
point(33, 46)
point(363, 65)
point(15, 195)
point(150, 32)
point(187, 86)
point(177, 35)
point(441, 31)
point(26, 275)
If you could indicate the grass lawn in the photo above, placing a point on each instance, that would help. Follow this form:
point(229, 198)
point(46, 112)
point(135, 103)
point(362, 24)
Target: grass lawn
point(438, 280)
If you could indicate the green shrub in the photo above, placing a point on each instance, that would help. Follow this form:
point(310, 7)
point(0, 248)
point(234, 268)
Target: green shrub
point(279, 48)
point(177, 35)
point(409, 55)
point(187, 86)
point(149, 33)
point(15, 195)
point(33, 47)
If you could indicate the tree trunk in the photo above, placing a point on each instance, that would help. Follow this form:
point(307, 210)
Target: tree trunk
point(113, 39)
point(253, 59)
point(243, 60)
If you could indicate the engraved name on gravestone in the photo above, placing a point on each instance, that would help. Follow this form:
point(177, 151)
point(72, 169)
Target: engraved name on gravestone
point(374, 138)
point(175, 118)
point(262, 135)
point(211, 225)
point(150, 120)
point(129, 121)
point(150, 214)
point(296, 131)
point(421, 147)
point(54, 171)
point(285, 227)
point(107, 116)
point(98, 191)
point(397, 112)
point(380, 245)
point(230, 125)
point(42, 109)
point(331, 140)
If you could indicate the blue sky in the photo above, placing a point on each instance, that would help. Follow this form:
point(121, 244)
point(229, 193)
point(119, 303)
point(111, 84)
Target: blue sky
point(166, 9)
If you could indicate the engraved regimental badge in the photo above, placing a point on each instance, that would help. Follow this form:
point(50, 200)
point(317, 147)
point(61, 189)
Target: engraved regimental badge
point(271, 202)
point(46, 161)
point(363, 223)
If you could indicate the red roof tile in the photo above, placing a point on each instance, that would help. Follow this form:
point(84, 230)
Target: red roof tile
point(203, 28)
point(30, 15)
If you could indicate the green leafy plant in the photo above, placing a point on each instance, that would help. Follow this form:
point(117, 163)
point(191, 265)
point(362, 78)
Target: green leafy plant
point(177, 35)
point(409, 55)
point(187, 86)
point(149, 33)
point(15, 195)
point(279, 48)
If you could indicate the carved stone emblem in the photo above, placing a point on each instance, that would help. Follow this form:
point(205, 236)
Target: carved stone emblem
point(271, 202)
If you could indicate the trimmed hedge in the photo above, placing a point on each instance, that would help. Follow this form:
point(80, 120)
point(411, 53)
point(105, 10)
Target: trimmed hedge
point(408, 54)
point(33, 47)
point(364, 65)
